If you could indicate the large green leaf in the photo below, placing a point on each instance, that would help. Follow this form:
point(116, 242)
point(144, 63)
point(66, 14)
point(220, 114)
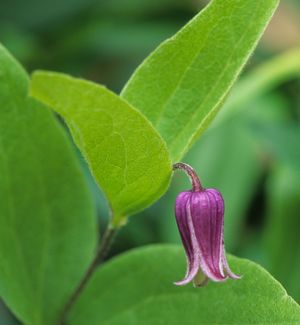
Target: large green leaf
point(125, 153)
point(181, 85)
point(137, 288)
point(47, 219)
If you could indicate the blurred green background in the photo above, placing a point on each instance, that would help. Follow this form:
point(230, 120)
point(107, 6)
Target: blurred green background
point(251, 152)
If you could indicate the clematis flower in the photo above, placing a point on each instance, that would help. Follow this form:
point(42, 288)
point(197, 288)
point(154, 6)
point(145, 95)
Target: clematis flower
point(200, 219)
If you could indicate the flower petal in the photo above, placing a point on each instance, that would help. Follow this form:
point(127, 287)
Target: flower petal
point(207, 215)
point(225, 266)
point(188, 237)
point(228, 272)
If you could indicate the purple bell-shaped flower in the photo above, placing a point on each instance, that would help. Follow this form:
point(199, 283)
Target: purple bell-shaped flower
point(200, 219)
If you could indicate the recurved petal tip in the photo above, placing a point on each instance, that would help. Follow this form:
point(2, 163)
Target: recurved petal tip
point(191, 272)
point(186, 229)
point(227, 269)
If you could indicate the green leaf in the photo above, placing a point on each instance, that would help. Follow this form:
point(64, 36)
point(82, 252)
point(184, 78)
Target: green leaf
point(183, 83)
point(126, 155)
point(47, 219)
point(282, 229)
point(137, 288)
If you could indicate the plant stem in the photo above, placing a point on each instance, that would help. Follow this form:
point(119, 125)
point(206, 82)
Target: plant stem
point(102, 251)
point(196, 184)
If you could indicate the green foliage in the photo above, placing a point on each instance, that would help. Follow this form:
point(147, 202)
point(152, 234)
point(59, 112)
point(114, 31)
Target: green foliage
point(48, 230)
point(126, 155)
point(106, 39)
point(137, 288)
point(6, 318)
point(282, 139)
point(47, 225)
point(260, 81)
point(41, 12)
point(182, 84)
point(282, 231)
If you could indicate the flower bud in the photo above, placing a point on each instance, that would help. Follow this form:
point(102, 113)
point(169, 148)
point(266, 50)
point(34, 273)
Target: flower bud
point(200, 219)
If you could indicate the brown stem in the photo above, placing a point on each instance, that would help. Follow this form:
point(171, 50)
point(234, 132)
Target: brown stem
point(197, 187)
point(102, 251)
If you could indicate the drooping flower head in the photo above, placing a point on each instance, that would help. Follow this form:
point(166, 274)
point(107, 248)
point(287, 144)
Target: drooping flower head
point(200, 219)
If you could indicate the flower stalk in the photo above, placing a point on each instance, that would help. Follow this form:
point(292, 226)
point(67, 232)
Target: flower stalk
point(196, 184)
